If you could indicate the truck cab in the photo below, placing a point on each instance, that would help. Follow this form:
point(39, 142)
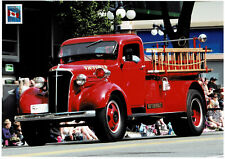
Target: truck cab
point(108, 82)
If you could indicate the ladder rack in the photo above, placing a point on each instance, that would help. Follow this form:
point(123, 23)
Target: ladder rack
point(178, 60)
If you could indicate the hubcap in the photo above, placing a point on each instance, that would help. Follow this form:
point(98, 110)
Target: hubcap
point(113, 116)
point(196, 112)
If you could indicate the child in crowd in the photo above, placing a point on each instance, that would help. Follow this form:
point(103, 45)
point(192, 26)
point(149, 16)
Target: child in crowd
point(6, 135)
point(17, 132)
point(11, 135)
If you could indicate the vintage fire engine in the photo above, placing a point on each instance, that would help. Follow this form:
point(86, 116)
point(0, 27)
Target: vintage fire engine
point(108, 82)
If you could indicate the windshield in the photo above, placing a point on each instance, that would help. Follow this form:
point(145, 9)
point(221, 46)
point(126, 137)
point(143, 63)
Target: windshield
point(89, 50)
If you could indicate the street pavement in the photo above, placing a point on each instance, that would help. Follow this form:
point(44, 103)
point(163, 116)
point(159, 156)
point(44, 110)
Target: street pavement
point(209, 144)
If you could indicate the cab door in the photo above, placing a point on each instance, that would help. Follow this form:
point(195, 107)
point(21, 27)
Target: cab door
point(133, 74)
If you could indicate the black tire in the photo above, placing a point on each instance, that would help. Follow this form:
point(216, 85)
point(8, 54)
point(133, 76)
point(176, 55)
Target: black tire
point(110, 121)
point(35, 133)
point(194, 123)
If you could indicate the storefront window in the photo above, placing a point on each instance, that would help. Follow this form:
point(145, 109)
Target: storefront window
point(10, 43)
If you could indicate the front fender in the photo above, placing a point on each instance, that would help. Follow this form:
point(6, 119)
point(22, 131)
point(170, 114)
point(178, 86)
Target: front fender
point(97, 96)
point(30, 97)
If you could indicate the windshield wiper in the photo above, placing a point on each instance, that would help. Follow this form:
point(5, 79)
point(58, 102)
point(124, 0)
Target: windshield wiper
point(96, 42)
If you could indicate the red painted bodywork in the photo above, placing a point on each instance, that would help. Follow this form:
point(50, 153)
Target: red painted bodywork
point(29, 97)
point(129, 79)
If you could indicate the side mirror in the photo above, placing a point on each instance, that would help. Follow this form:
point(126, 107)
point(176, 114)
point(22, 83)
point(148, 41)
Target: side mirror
point(135, 58)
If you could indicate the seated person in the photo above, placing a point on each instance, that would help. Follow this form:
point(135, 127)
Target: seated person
point(86, 132)
point(214, 117)
point(77, 133)
point(6, 135)
point(17, 131)
point(8, 138)
point(67, 132)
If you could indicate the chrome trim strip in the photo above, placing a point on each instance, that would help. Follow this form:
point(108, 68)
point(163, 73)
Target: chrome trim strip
point(60, 69)
point(56, 88)
point(56, 116)
point(153, 71)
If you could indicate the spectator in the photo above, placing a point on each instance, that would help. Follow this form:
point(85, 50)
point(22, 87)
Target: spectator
point(214, 103)
point(170, 132)
point(205, 86)
point(8, 139)
point(32, 83)
point(24, 85)
point(212, 83)
point(17, 132)
point(143, 130)
point(214, 116)
point(204, 83)
point(200, 80)
point(148, 130)
point(160, 127)
point(206, 80)
point(6, 135)
point(221, 100)
point(67, 132)
point(16, 82)
point(158, 124)
point(39, 82)
point(78, 133)
point(211, 90)
point(163, 125)
point(86, 132)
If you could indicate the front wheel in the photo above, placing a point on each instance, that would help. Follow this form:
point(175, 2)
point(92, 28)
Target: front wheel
point(35, 133)
point(110, 121)
point(194, 123)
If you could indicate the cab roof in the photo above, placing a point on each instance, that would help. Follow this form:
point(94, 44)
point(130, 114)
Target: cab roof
point(106, 37)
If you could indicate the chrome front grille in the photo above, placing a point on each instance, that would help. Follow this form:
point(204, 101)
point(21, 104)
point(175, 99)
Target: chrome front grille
point(59, 85)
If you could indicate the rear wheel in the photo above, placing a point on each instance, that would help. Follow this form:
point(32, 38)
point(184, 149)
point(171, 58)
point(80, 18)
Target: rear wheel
point(194, 123)
point(35, 133)
point(110, 121)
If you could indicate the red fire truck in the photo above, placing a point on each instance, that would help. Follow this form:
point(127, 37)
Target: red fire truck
point(108, 81)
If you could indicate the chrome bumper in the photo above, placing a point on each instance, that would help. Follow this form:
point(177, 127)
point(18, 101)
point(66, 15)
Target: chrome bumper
point(56, 116)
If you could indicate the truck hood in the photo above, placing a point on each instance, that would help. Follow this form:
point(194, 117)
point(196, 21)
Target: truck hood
point(85, 67)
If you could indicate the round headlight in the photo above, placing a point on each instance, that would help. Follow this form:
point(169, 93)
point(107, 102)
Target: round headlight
point(81, 79)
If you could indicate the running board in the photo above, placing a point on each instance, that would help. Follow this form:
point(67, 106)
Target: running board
point(157, 115)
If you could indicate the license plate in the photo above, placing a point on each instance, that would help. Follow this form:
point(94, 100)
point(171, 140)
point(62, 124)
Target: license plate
point(39, 108)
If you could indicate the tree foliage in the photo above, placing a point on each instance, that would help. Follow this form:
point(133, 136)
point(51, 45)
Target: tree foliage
point(84, 18)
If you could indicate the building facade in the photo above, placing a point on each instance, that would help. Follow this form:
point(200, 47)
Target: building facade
point(207, 18)
point(28, 48)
